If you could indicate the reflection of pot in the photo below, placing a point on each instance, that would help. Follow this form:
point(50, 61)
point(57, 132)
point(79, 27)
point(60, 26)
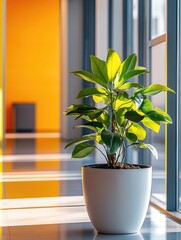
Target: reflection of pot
point(136, 236)
point(116, 199)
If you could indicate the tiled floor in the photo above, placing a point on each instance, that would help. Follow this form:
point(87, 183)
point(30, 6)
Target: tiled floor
point(43, 197)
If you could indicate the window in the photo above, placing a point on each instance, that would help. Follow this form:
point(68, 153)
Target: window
point(158, 75)
point(158, 19)
point(150, 29)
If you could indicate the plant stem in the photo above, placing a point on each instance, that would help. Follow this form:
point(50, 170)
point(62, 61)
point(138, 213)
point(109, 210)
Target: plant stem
point(112, 156)
point(112, 160)
point(102, 153)
point(119, 154)
point(112, 114)
point(124, 153)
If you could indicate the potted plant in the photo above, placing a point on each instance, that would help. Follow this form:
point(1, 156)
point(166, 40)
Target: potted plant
point(116, 193)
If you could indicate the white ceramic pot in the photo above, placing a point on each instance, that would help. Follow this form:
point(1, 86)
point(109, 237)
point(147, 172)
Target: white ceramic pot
point(116, 199)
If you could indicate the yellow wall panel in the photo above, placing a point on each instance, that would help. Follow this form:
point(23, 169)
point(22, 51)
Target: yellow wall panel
point(32, 67)
point(1, 70)
point(1, 97)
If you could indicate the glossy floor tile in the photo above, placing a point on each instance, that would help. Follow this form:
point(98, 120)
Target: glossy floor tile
point(72, 222)
point(43, 196)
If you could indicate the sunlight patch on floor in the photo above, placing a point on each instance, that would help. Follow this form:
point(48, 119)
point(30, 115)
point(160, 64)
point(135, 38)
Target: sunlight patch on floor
point(41, 216)
point(65, 201)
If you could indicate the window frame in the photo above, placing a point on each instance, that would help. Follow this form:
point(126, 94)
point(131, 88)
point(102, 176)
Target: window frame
point(172, 73)
point(178, 104)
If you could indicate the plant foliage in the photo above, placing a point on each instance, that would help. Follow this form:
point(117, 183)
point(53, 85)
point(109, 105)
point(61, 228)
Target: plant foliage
point(126, 110)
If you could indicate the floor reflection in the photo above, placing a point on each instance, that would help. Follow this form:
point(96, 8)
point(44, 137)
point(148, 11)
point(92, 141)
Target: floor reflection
point(70, 221)
point(38, 168)
point(136, 236)
point(77, 231)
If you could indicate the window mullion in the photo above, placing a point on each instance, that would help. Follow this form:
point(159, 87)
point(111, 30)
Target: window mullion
point(172, 104)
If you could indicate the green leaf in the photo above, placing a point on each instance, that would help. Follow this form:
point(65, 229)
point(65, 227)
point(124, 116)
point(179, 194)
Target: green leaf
point(166, 115)
point(95, 126)
point(131, 137)
point(138, 131)
point(122, 95)
point(151, 148)
point(95, 114)
point(159, 116)
point(84, 138)
point(128, 64)
point(131, 74)
point(86, 92)
point(129, 85)
point(112, 140)
point(79, 109)
point(87, 76)
point(154, 89)
point(140, 68)
point(98, 98)
point(99, 68)
point(84, 126)
point(113, 63)
point(99, 139)
point(107, 137)
point(146, 106)
point(138, 100)
point(154, 126)
point(116, 143)
point(85, 117)
point(91, 125)
point(123, 104)
point(133, 116)
point(120, 119)
point(104, 118)
point(82, 150)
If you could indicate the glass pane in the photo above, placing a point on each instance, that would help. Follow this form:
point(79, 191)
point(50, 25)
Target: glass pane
point(117, 26)
point(135, 26)
point(132, 153)
point(158, 75)
point(158, 21)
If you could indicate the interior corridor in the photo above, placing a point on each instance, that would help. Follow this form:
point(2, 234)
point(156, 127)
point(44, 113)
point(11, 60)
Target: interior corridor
point(43, 197)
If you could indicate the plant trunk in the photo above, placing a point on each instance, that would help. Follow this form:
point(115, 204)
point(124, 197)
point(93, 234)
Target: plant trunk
point(112, 156)
point(112, 160)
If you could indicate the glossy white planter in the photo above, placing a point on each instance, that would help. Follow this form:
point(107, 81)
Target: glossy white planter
point(116, 199)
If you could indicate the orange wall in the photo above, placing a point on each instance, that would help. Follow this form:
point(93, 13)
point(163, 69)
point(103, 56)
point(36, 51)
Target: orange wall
point(1, 70)
point(1, 98)
point(32, 60)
